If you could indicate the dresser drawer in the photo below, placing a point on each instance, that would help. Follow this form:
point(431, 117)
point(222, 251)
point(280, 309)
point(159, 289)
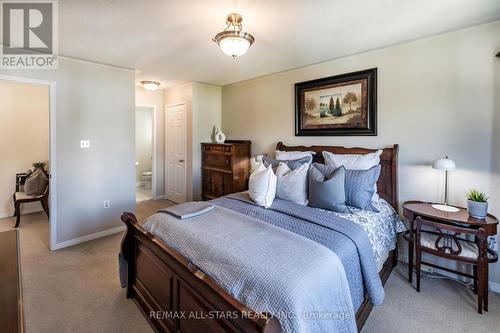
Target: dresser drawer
point(216, 184)
point(217, 148)
point(217, 160)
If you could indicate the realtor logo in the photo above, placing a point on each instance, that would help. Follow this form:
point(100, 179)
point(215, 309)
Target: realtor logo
point(29, 35)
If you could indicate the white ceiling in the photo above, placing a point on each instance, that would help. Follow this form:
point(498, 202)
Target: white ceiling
point(170, 41)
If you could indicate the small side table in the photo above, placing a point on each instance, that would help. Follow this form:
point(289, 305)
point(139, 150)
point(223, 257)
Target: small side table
point(413, 210)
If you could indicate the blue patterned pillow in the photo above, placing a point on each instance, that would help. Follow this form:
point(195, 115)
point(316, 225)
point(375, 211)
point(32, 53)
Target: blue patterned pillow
point(360, 186)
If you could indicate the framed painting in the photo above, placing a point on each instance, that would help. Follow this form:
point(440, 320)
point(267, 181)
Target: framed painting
point(338, 105)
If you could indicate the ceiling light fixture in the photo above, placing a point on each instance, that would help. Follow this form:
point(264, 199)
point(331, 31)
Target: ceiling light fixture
point(232, 40)
point(150, 85)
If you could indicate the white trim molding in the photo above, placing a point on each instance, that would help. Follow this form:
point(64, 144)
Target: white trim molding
point(90, 237)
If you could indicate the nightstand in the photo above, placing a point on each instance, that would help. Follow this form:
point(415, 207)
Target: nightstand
point(439, 233)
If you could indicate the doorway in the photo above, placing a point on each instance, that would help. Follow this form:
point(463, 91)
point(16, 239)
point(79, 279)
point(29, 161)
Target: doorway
point(27, 127)
point(175, 153)
point(144, 153)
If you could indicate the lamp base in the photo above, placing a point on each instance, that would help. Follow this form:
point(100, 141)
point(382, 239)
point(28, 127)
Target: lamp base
point(446, 208)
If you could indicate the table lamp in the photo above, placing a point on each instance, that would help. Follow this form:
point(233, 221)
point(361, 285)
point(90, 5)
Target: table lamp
point(446, 165)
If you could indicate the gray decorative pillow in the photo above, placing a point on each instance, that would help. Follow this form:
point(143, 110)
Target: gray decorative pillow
point(292, 184)
point(360, 186)
point(36, 184)
point(327, 188)
point(292, 164)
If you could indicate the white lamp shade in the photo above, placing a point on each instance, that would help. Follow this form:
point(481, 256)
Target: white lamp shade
point(150, 86)
point(234, 46)
point(444, 164)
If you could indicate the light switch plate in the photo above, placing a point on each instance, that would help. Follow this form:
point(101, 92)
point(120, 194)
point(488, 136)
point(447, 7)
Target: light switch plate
point(84, 143)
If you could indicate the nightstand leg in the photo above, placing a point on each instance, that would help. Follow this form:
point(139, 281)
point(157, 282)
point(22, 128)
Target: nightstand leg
point(410, 256)
point(474, 274)
point(480, 292)
point(486, 287)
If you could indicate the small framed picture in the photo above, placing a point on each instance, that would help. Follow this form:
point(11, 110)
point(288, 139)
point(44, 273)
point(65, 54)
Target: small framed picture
point(338, 105)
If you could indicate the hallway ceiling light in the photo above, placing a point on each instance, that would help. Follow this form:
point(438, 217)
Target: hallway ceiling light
point(150, 85)
point(232, 40)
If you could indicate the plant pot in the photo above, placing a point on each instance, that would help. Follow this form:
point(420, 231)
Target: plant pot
point(478, 210)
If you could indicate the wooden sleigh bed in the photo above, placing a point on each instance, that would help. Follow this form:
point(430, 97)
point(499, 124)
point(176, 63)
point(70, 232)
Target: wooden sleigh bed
point(168, 289)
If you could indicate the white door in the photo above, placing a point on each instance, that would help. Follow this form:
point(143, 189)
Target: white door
point(175, 153)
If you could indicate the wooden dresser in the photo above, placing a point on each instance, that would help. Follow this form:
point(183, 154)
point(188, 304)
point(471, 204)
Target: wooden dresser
point(225, 167)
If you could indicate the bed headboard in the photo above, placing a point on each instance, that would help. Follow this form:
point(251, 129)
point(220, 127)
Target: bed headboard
point(387, 184)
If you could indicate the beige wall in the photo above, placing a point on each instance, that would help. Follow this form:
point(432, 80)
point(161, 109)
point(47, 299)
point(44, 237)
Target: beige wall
point(435, 97)
point(206, 115)
point(155, 98)
point(24, 136)
point(495, 152)
point(93, 102)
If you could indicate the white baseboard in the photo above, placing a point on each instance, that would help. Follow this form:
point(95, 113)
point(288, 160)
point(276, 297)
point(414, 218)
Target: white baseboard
point(90, 237)
point(158, 197)
point(494, 287)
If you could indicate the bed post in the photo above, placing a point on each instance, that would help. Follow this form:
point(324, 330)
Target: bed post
point(128, 252)
point(395, 200)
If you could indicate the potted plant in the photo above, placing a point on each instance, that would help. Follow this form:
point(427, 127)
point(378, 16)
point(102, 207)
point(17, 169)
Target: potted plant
point(39, 165)
point(477, 204)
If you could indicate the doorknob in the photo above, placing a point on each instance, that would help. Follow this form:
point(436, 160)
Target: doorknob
point(181, 161)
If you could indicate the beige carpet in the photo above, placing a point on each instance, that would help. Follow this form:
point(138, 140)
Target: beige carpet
point(77, 290)
point(441, 306)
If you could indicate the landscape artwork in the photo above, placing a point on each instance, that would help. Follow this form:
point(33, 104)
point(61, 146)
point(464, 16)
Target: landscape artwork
point(339, 105)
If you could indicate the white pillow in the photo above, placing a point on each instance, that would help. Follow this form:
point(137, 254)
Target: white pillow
point(292, 184)
point(292, 155)
point(354, 162)
point(262, 186)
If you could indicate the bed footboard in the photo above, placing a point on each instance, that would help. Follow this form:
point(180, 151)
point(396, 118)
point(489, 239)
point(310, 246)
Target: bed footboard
point(175, 296)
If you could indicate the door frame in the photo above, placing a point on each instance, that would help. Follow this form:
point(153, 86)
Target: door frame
point(154, 134)
point(187, 159)
point(52, 152)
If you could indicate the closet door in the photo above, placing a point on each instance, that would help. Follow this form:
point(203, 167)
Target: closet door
point(175, 153)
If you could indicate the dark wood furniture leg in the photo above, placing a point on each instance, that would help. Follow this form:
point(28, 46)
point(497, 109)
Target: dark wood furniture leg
point(483, 268)
point(474, 274)
point(410, 254)
point(17, 212)
point(480, 292)
point(45, 205)
point(418, 263)
point(486, 287)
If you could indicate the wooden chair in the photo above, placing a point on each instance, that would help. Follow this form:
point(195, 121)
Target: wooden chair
point(442, 241)
point(20, 197)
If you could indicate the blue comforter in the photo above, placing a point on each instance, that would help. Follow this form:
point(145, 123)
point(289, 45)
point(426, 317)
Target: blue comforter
point(348, 240)
point(295, 262)
point(265, 267)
